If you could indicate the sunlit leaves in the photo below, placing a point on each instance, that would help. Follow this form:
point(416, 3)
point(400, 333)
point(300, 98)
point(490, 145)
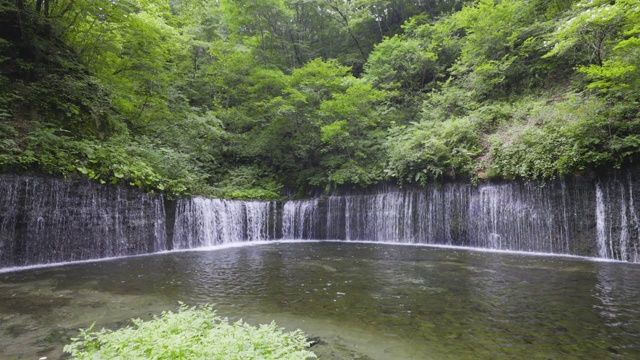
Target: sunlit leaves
point(594, 23)
point(402, 63)
point(608, 33)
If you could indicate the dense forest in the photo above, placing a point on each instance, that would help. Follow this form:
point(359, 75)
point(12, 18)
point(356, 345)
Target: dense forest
point(242, 98)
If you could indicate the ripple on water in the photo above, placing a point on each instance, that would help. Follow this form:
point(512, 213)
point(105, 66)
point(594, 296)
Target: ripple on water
point(362, 300)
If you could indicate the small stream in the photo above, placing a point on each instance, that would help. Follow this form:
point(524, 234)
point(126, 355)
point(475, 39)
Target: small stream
point(364, 300)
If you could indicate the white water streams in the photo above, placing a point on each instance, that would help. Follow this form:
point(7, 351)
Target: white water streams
point(517, 217)
point(507, 216)
point(617, 226)
point(300, 220)
point(578, 218)
point(208, 222)
point(634, 224)
point(46, 220)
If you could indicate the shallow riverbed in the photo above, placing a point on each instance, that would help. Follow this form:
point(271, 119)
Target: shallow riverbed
point(364, 301)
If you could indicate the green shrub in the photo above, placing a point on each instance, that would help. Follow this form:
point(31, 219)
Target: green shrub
point(249, 183)
point(562, 138)
point(432, 150)
point(190, 334)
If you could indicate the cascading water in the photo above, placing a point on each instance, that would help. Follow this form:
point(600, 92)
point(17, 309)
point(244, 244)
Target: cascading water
point(634, 228)
point(398, 216)
point(300, 220)
point(601, 236)
point(573, 216)
point(506, 216)
point(207, 222)
point(517, 217)
point(50, 220)
point(618, 229)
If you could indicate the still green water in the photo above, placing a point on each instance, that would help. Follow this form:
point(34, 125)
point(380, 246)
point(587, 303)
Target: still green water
point(364, 301)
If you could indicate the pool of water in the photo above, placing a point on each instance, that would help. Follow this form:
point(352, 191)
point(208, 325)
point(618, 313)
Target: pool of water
point(364, 301)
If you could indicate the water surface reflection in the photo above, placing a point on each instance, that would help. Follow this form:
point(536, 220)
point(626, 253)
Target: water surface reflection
point(375, 300)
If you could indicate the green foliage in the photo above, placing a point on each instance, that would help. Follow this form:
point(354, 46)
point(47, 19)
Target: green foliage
point(591, 26)
point(238, 99)
point(318, 119)
point(191, 333)
point(563, 138)
point(402, 63)
point(607, 34)
point(432, 150)
point(249, 182)
point(8, 146)
point(119, 160)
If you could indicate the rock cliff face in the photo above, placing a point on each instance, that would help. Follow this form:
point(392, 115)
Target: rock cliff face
point(45, 220)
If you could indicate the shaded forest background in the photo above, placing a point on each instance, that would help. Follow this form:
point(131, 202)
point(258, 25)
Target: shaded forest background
point(240, 98)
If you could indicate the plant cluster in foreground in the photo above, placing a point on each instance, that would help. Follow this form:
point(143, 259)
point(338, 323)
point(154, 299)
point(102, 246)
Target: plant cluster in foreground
point(191, 333)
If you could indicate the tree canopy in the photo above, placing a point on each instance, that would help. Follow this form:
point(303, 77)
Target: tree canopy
point(240, 98)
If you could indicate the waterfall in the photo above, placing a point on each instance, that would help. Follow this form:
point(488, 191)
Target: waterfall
point(403, 216)
point(601, 235)
point(634, 247)
point(46, 220)
point(567, 216)
point(335, 228)
point(519, 217)
point(300, 220)
point(508, 216)
point(617, 221)
point(207, 222)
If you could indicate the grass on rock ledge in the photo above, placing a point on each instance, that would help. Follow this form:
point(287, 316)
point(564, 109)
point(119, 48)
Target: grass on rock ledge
point(191, 333)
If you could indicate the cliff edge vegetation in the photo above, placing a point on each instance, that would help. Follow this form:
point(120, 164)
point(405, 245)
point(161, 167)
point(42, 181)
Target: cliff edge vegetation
point(239, 99)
